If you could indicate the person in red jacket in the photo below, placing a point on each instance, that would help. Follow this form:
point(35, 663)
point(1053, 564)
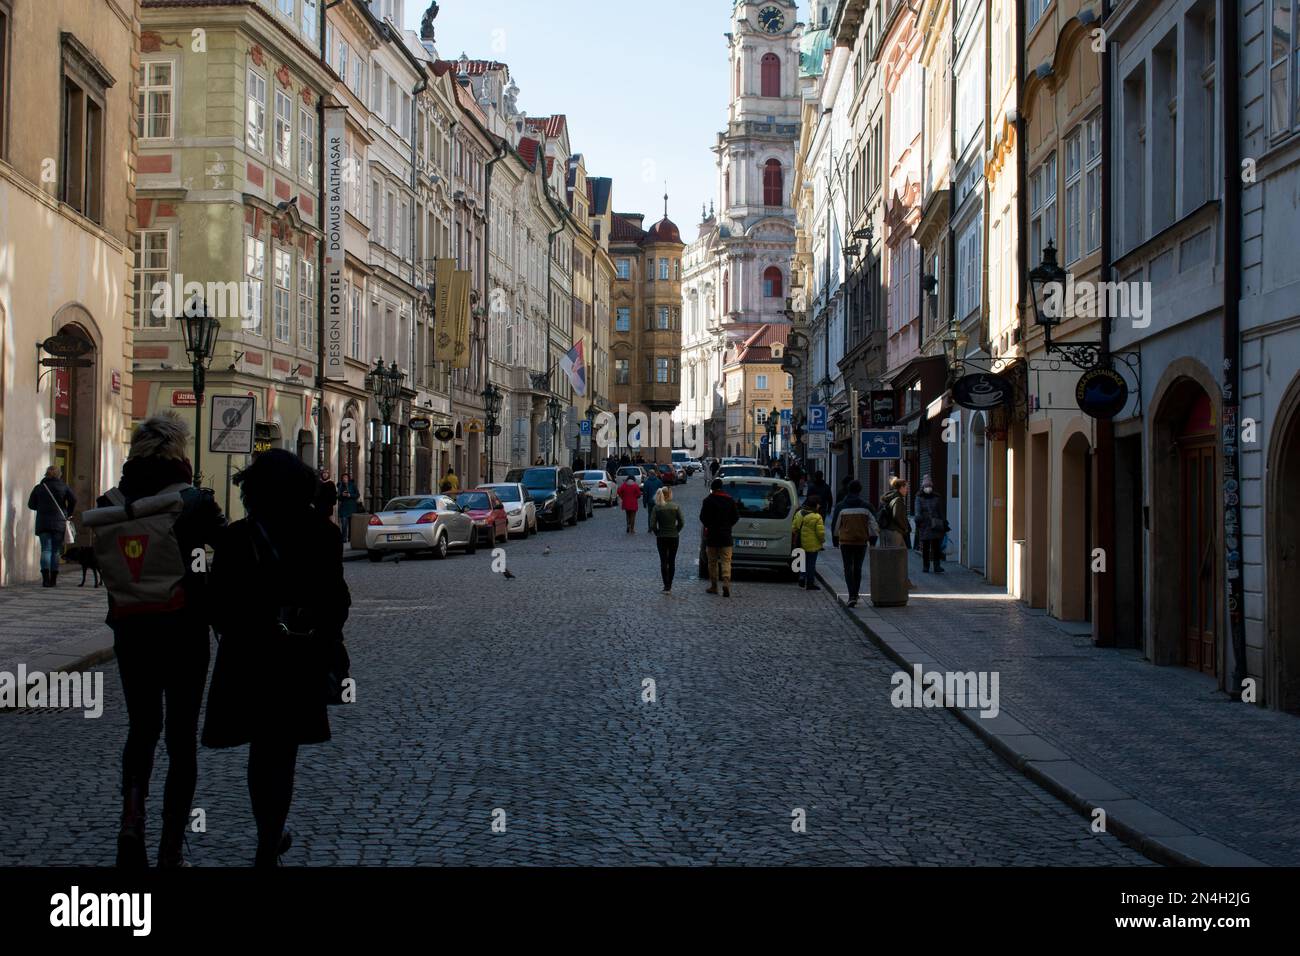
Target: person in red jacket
point(629, 492)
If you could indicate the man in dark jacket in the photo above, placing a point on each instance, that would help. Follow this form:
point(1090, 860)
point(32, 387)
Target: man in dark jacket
point(719, 514)
point(649, 488)
point(853, 528)
point(164, 656)
point(819, 489)
point(327, 496)
point(53, 502)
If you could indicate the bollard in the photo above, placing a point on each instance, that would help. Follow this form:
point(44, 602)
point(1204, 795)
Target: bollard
point(357, 525)
point(888, 576)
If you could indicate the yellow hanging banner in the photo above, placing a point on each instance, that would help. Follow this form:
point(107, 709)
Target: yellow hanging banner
point(444, 338)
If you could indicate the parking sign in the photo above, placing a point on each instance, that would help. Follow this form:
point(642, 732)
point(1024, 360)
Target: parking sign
point(817, 418)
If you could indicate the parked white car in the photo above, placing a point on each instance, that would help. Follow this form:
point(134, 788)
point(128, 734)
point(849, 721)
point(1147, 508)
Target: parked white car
point(637, 473)
point(420, 523)
point(599, 485)
point(520, 508)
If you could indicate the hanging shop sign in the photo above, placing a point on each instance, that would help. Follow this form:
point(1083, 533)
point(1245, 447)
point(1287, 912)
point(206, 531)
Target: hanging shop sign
point(445, 433)
point(981, 390)
point(1101, 393)
point(67, 346)
point(419, 424)
point(882, 410)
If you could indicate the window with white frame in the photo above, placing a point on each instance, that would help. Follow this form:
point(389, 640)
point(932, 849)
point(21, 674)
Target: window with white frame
point(309, 17)
point(153, 265)
point(283, 277)
point(663, 269)
point(285, 7)
point(1035, 10)
point(1042, 209)
point(664, 321)
point(622, 372)
point(307, 145)
point(329, 46)
point(760, 383)
point(1092, 183)
point(306, 302)
point(356, 318)
point(970, 267)
point(254, 277)
point(256, 136)
point(156, 99)
point(1073, 197)
point(1283, 66)
point(624, 321)
point(359, 77)
point(283, 129)
point(661, 371)
point(344, 51)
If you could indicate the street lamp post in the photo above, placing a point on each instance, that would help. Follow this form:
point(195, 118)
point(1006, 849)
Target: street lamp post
point(492, 398)
point(386, 385)
point(1044, 279)
point(553, 409)
point(200, 343)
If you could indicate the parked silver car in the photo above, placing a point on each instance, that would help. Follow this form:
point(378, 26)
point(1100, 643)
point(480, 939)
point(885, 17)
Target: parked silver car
point(520, 507)
point(420, 523)
point(599, 485)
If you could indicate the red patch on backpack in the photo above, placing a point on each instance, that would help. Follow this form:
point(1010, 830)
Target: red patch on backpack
point(133, 548)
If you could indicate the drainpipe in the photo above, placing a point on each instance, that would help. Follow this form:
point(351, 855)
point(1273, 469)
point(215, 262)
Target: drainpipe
point(1103, 584)
point(1232, 286)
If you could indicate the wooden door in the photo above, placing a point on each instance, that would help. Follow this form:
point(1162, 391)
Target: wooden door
point(1199, 557)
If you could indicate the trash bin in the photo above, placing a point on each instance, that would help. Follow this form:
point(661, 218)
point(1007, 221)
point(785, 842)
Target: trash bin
point(888, 576)
point(357, 525)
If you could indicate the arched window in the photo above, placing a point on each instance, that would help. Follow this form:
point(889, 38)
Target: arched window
point(771, 75)
point(773, 183)
point(772, 284)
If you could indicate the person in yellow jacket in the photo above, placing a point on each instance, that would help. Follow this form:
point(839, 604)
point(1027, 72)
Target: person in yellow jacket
point(809, 533)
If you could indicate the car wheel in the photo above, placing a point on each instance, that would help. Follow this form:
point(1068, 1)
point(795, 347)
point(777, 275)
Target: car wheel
point(440, 549)
point(375, 556)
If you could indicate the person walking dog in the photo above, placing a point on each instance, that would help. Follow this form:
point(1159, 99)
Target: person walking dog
point(931, 526)
point(53, 502)
point(666, 523)
point(281, 602)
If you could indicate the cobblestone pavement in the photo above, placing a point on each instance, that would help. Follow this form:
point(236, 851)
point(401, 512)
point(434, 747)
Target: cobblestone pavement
point(42, 625)
point(1165, 735)
point(478, 694)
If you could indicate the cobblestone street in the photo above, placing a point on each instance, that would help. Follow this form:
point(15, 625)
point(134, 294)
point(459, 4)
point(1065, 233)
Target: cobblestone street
point(477, 693)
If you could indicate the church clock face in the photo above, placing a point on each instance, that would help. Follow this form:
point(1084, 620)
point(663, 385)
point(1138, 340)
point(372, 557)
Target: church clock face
point(771, 19)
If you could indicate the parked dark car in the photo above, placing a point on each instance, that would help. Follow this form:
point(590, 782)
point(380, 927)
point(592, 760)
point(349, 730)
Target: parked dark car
point(554, 491)
point(667, 474)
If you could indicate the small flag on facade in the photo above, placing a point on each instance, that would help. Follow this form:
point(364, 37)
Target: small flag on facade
point(573, 366)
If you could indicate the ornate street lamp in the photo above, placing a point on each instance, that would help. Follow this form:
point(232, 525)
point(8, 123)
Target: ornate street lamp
point(1044, 277)
point(492, 399)
point(553, 410)
point(386, 385)
point(200, 331)
point(955, 342)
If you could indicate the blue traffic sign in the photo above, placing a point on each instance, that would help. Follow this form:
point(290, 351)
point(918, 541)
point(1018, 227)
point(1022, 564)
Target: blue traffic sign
point(584, 427)
point(786, 414)
point(817, 418)
point(881, 445)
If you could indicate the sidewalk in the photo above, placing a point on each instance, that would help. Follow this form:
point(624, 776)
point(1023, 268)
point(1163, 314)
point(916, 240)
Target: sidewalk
point(54, 629)
point(1184, 774)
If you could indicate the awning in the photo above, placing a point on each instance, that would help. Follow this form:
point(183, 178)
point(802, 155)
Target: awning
point(939, 407)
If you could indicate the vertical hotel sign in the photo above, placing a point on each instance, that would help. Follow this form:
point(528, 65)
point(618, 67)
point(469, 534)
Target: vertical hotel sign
point(444, 341)
point(336, 176)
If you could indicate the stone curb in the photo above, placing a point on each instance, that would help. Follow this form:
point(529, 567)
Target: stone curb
point(1157, 837)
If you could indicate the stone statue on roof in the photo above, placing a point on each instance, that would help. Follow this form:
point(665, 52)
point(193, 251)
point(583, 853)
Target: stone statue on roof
point(426, 24)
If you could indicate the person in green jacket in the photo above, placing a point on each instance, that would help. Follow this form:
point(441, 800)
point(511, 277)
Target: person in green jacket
point(666, 524)
point(809, 533)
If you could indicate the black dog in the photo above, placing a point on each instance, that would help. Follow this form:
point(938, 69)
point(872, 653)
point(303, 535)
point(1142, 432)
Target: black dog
point(84, 556)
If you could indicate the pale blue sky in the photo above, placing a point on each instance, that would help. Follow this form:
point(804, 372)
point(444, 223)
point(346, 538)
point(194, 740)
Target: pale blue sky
point(643, 82)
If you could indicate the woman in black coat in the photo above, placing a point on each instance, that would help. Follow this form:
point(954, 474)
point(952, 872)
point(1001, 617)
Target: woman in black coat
point(280, 602)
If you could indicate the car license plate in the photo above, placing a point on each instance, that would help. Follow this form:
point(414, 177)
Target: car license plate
point(401, 537)
point(751, 543)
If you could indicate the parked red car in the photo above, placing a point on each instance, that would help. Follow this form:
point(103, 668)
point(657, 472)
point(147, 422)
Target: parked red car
point(485, 509)
point(666, 474)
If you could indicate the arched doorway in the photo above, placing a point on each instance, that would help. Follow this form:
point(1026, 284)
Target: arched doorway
point(349, 462)
point(1186, 508)
point(1075, 555)
point(75, 413)
point(1283, 535)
